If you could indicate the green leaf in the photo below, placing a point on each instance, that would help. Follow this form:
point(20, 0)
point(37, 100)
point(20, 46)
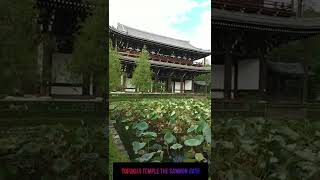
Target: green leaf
point(31, 148)
point(142, 126)
point(161, 155)
point(60, 165)
point(176, 146)
point(189, 160)
point(192, 128)
point(146, 157)
point(227, 144)
point(274, 160)
point(192, 142)
point(169, 138)
point(173, 120)
point(137, 146)
point(307, 154)
point(201, 125)
point(156, 147)
point(288, 132)
point(150, 134)
point(199, 157)
point(207, 134)
point(200, 138)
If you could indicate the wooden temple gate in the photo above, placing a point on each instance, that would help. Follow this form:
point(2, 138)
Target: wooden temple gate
point(172, 60)
point(245, 30)
point(58, 21)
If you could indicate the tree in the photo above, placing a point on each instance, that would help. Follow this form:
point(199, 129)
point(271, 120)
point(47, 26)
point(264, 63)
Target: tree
point(19, 38)
point(206, 78)
point(89, 53)
point(114, 68)
point(142, 75)
point(305, 51)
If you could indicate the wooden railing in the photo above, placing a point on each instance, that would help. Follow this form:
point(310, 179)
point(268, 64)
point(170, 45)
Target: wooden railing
point(264, 7)
point(161, 58)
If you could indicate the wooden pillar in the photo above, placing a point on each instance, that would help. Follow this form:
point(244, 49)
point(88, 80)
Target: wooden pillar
point(156, 80)
point(181, 85)
point(305, 85)
point(86, 84)
point(227, 75)
point(263, 75)
point(235, 82)
point(124, 80)
point(193, 88)
point(173, 90)
point(169, 87)
point(45, 88)
point(300, 8)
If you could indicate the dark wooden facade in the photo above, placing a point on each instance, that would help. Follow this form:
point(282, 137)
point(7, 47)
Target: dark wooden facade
point(59, 20)
point(241, 35)
point(172, 60)
point(265, 7)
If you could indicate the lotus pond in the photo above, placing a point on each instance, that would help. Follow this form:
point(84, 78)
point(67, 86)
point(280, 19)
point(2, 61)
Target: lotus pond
point(255, 148)
point(165, 130)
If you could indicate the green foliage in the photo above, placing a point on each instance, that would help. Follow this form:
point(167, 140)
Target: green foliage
point(159, 86)
point(253, 148)
point(311, 13)
point(114, 156)
point(18, 46)
point(206, 78)
point(158, 129)
point(303, 51)
point(90, 47)
point(54, 152)
point(142, 75)
point(114, 68)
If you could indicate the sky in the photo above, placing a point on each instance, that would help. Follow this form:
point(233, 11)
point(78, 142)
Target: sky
point(181, 19)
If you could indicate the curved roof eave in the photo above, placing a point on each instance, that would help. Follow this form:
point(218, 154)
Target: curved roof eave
point(205, 53)
point(295, 25)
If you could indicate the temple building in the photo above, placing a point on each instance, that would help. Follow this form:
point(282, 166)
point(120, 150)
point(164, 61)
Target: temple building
point(244, 33)
point(172, 60)
point(59, 20)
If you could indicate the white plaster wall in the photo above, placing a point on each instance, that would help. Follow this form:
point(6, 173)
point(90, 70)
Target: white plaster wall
point(218, 77)
point(188, 85)
point(60, 72)
point(248, 75)
point(177, 87)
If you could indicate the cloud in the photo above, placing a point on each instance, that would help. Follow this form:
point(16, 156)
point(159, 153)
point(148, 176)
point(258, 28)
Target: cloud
point(159, 17)
point(202, 33)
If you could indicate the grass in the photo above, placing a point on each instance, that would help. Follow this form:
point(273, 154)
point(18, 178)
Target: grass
point(114, 156)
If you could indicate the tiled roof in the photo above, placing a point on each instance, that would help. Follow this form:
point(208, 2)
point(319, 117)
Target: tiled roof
point(129, 31)
point(269, 23)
